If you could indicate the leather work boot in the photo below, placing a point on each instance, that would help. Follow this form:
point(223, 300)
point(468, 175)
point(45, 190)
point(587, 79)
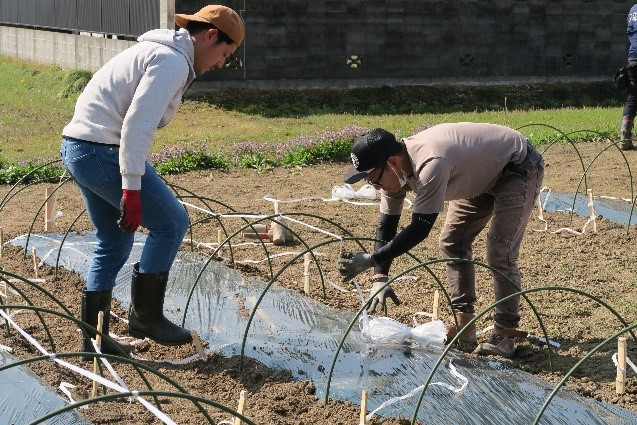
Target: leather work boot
point(468, 336)
point(626, 134)
point(501, 343)
point(146, 317)
point(92, 303)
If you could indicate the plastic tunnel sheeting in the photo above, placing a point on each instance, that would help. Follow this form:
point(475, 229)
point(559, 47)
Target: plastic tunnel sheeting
point(613, 209)
point(291, 331)
point(24, 397)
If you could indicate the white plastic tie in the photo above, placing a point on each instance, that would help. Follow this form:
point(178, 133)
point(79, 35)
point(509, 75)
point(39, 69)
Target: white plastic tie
point(64, 387)
point(453, 371)
point(628, 362)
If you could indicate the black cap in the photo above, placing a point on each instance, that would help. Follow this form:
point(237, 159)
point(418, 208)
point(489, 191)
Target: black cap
point(371, 150)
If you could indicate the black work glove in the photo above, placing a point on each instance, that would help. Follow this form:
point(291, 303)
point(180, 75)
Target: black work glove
point(351, 264)
point(381, 297)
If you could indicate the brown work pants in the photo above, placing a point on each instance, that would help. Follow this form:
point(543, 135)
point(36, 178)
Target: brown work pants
point(507, 206)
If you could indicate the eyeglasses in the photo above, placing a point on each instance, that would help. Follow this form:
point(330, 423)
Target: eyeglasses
point(380, 176)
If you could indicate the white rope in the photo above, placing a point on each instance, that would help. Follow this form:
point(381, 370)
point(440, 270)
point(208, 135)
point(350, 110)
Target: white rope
point(13, 313)
point(562, 229)
point(281, 254)
point(99, 379)
point(108, 366)
point(214, 214)
point(337, 237)
point(463, 379)
point(340, 193)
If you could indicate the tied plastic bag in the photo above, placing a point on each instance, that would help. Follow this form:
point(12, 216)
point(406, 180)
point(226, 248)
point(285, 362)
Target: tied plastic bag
point(347, 192)
point(384, 330)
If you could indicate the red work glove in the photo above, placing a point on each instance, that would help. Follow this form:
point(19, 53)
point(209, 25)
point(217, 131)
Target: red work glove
point(131, 208)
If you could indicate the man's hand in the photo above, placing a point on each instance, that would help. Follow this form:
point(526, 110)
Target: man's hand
point(381, 297)
point(351, 264)
point(131, 209)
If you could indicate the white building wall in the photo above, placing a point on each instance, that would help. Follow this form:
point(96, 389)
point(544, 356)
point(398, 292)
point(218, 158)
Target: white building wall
point(68, 51)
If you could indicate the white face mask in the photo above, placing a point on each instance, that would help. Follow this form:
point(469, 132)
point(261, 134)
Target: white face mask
point(402, 180)
point(411, 182)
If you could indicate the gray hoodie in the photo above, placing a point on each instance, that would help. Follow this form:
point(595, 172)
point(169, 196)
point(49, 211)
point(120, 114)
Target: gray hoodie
point(133, 94)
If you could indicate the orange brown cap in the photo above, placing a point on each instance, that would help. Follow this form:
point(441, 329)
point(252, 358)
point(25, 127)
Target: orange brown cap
point(223, 18)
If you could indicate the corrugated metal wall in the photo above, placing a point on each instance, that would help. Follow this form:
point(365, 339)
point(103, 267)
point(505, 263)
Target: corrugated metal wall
point(126, 18)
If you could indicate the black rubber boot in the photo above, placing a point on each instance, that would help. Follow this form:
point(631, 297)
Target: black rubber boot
point(626, 134)
point(92, 303)
point(146, 318)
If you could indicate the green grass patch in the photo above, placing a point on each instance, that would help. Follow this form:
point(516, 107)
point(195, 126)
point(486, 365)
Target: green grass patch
point(261, 129)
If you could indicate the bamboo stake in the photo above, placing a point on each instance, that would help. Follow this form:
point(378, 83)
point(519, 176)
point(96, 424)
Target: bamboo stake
point(1, 240)
point(48, 209)
point(363, 419)
point(307, 259)
point(591, 209)
point(219, 237)
point(242, 400)
point(278, 231)
point(620, 380)
point(436, 305)
point(98, 342)
point(35, 262)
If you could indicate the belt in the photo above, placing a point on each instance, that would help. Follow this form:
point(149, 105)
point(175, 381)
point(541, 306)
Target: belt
point(516, 167)
point(73, 139)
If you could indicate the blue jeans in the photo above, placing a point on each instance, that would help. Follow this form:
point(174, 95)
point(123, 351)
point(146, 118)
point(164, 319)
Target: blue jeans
point(95, 169)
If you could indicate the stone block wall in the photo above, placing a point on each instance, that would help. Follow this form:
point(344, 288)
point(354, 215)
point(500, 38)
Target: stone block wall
point(356, 43)
point(363, 42)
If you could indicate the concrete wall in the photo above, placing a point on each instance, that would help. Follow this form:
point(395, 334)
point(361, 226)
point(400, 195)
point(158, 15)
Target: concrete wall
point(354, 43)
point(65, 50)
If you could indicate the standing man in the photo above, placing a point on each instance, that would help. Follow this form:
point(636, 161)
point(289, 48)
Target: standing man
point(630, 107)
point(105, 148)
point(489, 174)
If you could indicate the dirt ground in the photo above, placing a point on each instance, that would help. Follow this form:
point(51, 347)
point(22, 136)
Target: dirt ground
point(601, 264)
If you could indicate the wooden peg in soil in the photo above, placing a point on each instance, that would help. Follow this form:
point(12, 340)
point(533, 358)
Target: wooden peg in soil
point(198, 346)
point(34, 253)
point(278, 231)
point(1, 240)
point(4, 293)
point(307, 259)
point(591, 209)
point(219, 237)
point(98, 342)
point(435, 309)
point(48, 209)
point(620, 380)
point(242, 400)
point(363, 419)
point(540, 210)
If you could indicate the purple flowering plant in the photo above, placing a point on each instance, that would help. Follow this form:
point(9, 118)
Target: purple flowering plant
point(302, 150)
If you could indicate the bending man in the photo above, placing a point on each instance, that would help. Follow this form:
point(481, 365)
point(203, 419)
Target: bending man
point(490, 174)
